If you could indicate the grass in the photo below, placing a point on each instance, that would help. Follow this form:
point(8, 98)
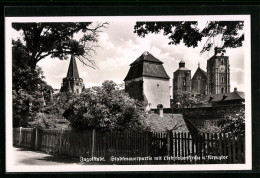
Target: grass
point(173, 122)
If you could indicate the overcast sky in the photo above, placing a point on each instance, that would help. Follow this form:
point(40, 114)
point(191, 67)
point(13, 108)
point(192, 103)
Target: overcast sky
point(120, 47)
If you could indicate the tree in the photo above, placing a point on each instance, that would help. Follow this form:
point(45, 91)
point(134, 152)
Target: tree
point(106, 108)
point(56, 40)
point(25, 107)
point(24, 77)
point(231, 32)
point(234, 123)
point(186, 99)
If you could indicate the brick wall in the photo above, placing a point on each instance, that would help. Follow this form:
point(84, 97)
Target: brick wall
point(205, 117)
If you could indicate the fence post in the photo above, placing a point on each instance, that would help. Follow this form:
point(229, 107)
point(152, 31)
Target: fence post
point(60, 141)
point(93, 142)
point(20, 136)
point(38, 143)
point(169, 144)
point(148, 140)
point(33, 138)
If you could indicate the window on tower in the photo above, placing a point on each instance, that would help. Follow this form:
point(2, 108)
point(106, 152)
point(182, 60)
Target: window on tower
point(222, 79)
point(222, 62)
point(222, 90)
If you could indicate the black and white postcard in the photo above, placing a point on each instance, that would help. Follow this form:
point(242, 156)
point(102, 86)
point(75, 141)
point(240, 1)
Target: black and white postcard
point(128, 93)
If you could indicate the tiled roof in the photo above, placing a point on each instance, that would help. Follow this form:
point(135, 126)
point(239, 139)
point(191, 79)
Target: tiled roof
point(146, 65)
point(201, 71)
point(182, 68)
point(146, 56)
point(236, 95)
point(73, 69)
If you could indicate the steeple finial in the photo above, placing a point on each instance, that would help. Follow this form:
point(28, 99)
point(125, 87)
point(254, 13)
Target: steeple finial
point(199, 65)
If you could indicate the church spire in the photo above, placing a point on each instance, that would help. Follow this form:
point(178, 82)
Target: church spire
point(73, 69)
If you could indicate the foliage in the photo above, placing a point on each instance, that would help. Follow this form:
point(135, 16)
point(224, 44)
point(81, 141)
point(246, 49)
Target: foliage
point(234, 123)
point(56, 40)
point(106, 108)
point(186, 99)
point(189, 33)
point(25, 107)
point(25, 77)
point(45, 121)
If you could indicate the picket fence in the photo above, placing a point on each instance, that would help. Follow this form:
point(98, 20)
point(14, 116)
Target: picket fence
point(135, 147)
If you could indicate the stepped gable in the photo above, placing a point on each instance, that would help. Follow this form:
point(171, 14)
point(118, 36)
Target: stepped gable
point(73, 69)
point(146, 65)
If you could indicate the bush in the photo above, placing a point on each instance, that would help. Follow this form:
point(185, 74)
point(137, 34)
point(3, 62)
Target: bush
point(106, 108)
point(25, 107)
point(44, 121)
point(234, 123)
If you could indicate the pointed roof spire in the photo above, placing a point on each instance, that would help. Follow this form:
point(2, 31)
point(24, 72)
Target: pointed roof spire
point(73, 69)
point(199, 65)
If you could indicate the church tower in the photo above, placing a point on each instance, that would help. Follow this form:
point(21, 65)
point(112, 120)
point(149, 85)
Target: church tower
point(182, 78)
point(218, 73)
point(72, 83)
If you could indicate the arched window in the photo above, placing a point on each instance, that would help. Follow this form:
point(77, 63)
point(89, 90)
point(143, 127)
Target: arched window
point(222, 62)
point(222, 89)
point(222, 79)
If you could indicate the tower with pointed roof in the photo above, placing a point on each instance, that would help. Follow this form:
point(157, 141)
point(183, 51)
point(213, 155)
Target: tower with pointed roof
point(182, 78)
point(148, 81)
point(198, 81)
point(72, 83)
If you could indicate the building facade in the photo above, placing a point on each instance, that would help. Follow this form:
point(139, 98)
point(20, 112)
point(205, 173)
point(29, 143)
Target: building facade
point(182, 78)
point(72, 83)
point(218, 73)
point(148, 81)
point(215, 81)
point(198, 81)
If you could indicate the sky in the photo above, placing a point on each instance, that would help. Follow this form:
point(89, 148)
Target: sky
point(120, 46)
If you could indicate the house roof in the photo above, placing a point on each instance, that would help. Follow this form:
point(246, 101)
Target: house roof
point(146, 65)
point(73, 69)
point(182, 68)
point(236, 95)
point(199, 70)
point(148, 57)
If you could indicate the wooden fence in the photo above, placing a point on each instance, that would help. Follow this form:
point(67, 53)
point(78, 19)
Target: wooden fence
point(135, 147)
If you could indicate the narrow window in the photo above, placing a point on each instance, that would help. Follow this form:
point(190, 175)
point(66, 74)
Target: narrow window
point(222, 79)
point(222, 62)
point(222, 90)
